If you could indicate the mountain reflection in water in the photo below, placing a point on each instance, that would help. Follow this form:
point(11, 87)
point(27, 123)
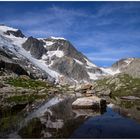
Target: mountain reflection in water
point(108, 125)
point(57, 119)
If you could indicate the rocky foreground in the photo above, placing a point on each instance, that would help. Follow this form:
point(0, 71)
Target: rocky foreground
point(32, 98)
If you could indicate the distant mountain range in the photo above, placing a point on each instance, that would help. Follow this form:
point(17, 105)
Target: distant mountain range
point(54, 59)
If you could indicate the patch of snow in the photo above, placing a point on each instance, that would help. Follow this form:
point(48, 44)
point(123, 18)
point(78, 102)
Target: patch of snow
point(17, 40)
point(110, 71)
point(57, 53)
point(79, 62)
point(44, 56)
point(58, 38)
point(4, 28)
point(14, 44)
point(129, 60)
point(93, 76)
point(15, 58)
point(90, 64)
point(41, 64)
point(49, 43)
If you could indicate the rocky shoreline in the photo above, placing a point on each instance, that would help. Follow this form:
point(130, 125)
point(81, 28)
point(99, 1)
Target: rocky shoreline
point(43, 104)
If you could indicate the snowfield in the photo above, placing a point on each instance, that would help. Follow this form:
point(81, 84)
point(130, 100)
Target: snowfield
point(14, 44)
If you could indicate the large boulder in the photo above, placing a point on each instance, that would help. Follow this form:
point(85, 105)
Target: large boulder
point(92, 102)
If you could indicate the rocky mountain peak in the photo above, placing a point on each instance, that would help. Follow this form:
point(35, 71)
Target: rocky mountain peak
point(35, 46)
point(53, 58)
point(122, 63)
point(67, 48)
point(17, 33)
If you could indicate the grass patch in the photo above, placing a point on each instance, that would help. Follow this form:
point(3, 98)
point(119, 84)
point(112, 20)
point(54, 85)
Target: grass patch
point(7, 122)
point(126, 85)
point(25, 98)
point(27, 83)
point(32, 130)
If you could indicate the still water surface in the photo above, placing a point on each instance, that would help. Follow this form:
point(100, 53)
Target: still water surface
point(108, 125)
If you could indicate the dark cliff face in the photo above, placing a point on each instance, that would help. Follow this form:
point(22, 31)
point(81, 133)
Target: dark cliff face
point(17, 33)
point(7, 64)
point(21, 66)
point(35, 46)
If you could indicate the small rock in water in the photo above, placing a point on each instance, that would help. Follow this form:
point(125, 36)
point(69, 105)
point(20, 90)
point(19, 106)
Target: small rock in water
point(130, 98)
point(92, 102)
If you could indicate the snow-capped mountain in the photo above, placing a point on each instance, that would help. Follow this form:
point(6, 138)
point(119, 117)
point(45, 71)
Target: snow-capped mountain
point(53, 58)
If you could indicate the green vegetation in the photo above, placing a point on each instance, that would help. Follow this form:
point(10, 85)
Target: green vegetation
point(127, 104)
point(27, 83)
point(121, 85)
point(6, 122)
point(25, 98)
point(32, 130)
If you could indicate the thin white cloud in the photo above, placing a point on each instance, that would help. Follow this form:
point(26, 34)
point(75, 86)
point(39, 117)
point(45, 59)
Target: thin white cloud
point(100, 36)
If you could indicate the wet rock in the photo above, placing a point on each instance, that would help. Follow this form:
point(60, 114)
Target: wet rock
point(130, 98)
point(85, 112)
point(92, 102)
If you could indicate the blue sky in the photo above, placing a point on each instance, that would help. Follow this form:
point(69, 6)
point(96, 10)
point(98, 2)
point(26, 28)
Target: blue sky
point(104, 31)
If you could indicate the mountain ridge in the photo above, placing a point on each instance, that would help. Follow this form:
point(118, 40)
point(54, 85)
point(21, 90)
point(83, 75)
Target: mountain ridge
point(53, 58)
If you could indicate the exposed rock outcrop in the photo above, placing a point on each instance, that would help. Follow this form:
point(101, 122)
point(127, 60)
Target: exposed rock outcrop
point(68, 67)
point(17, 33)
point(35, 47)
point(8, 64)
point(134, 68)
